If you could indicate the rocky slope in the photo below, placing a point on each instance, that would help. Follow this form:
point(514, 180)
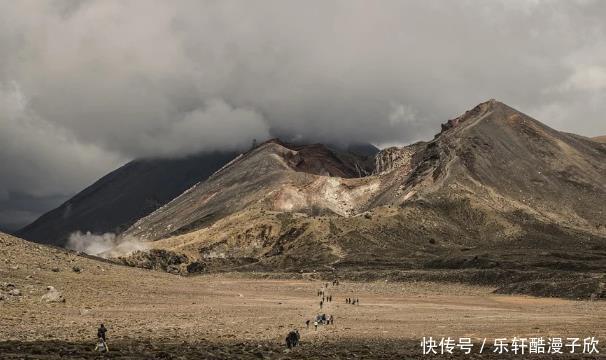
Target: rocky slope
point(290, 178)
point(123, 196)
point(395, 157)
point(601, 139)
point(495, 189)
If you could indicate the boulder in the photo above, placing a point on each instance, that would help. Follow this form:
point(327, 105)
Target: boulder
point(14, 292)
point(173, 269)
point(52, 296)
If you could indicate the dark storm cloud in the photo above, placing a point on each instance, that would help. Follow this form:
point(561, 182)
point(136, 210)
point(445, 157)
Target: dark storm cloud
point(18, 209)
point(87, 85)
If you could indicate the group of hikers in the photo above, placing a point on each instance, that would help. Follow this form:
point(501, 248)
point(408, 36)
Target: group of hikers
point(352, 301)
point(321, 319)
point(328, 299)
point(325, 298)
point(292, 339)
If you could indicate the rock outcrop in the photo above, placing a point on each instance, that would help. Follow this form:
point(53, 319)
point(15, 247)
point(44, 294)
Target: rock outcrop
point(395, 157)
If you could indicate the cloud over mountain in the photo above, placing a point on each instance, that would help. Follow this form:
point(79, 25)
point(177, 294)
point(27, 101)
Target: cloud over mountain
point(86, 85)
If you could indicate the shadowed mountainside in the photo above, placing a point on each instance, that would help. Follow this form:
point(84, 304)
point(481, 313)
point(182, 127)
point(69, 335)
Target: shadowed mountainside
point(123, 196)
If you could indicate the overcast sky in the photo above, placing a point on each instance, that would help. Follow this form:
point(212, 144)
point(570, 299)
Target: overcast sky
point(88, 85)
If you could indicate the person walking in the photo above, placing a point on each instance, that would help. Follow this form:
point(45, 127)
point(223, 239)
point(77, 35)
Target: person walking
point(101, 332)
point(289, 340)
point(307, 323)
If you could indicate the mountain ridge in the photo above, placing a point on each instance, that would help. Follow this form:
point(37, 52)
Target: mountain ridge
point(492, 176)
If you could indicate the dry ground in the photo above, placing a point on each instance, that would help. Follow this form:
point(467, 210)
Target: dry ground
point(232, 316)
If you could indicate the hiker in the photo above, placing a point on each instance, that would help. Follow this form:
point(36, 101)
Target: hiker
point(316, 324)
point(288, 340)
point(307, 323)
point(101, 332)
point(292, 339)
point(101, 346)
point(321, 303)
point(332, 319)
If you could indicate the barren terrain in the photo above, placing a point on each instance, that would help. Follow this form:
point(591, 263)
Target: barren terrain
point(157, 315)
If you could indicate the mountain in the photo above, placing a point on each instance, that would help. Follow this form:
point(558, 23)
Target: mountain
point(274, 175)
point(494, 189)
point(601, 139)
point(123, 196)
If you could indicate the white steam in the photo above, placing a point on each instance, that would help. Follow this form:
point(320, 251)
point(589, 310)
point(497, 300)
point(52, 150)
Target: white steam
point(105, 245)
